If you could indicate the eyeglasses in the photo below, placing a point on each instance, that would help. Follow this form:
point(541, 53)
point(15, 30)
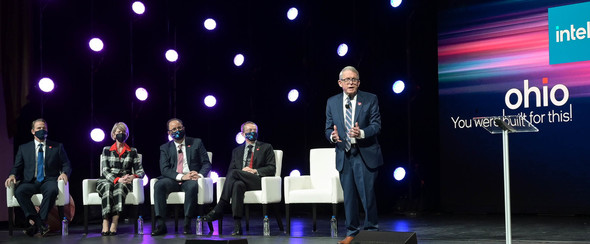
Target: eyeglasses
point(176, 129)
point(351, 80)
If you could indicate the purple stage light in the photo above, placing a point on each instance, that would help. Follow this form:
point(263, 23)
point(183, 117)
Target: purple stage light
point(214, 176)
point(240, 138)
point(342, 49)
point(399, 173)
point(293, 95)
point(398, 86)
point(295, 173)
point(97, 135)
point(141, 94)
point(145, 179)
point(210, 24)
point(96, 44)
point(210, 101)
point(395, 3)
point(239, 60)
point(169, 138)
point(292, 13)
point(46, 84)
point(138, 7)
point(171, 55)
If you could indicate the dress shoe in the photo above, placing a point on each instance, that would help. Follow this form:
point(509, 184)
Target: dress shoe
point(31, 231)
point(346, 240)
point(212, 216)
point(106, 233)
point(161, 230)
point(112, 233)
point(187, 230)
point(43, 229)
point(237, 229)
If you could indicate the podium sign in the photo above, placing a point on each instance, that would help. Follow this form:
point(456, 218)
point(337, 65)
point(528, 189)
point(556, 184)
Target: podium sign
point(505, 125)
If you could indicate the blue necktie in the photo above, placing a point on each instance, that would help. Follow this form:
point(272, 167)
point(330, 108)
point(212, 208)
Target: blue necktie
point(40, 164)
point(348, 120)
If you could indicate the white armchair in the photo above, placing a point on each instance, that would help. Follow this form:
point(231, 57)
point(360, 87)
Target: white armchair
point(90, 196)
point(204, 196)
point(270, 193)
point(63, 198)
point(321, 186)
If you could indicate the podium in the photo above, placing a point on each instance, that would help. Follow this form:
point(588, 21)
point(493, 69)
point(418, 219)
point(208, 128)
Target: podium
point(504, 125)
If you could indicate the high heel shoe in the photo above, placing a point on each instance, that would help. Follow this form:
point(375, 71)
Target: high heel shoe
point(107, 233)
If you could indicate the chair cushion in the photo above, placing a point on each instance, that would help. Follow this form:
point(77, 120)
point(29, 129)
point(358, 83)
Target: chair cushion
point(310, 196)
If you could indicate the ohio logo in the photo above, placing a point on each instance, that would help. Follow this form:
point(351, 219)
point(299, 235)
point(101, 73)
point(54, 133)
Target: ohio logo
point(557, 95)
point(569, 33)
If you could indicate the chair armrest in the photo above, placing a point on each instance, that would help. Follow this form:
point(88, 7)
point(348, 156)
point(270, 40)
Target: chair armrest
point(63, 196)
point(293, 183)
point(138, 190)
point(220, 183)
point(337, 193)
point(271, 189)
point(10, 194)
point(152, 183)
point(205, 190)
point(88, 186)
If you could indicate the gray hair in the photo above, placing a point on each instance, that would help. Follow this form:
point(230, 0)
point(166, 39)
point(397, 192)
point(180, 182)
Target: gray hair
point(122, 127)
point(351, 68)
point(248, 122)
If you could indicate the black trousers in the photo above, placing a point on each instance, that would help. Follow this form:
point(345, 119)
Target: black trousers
point(24, 192)
point(165, 186)
point(236, 184)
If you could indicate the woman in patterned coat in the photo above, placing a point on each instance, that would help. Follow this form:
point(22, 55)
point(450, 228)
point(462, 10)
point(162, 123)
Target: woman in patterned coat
point(120, 165)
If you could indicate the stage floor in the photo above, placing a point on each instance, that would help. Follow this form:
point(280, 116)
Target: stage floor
point(429, 228)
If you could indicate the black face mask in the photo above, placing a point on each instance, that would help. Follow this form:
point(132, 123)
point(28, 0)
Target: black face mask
point(251, 136)
point(121, 137)
point(177, 135)
point(41, 134)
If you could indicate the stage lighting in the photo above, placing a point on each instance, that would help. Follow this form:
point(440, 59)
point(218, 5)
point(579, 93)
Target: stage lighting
point(399, 173)
point(396, 3)
point(398, 86)
point(97, 135)
point(210, 101)
point(145, 180)
point(342, 49)
point(295, 173)
point(96, 44)
point(292, 13)
point(138, 8)
point(171, 55)
point(293, 95)
point(169, 138)
point(240, 138)
point(239, 60)
point(46, 84)
point(214, 176)
point(141, 94)
point(210, 24)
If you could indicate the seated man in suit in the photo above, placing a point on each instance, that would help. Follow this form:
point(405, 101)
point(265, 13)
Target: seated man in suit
point(249, 163)
point(38, 166)
point(182, 162)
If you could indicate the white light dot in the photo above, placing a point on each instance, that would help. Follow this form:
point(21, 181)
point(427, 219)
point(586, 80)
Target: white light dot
point(240, 138)
point(295, 173)
point(145, 180)
point(396, 3)
point(210, 101)
point(293, 95)
point(97, 135)
point(342, 49)
point(239, 59)
point(171, 55)
point(210, 24)
point(96, 44)
point(292, 13)
point(214, 176)
point(46, 84)
point(141, 94)
point(399, 173)
point(398, 87)
point(138, 8)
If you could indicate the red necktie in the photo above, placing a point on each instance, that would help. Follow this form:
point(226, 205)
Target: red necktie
point(179, 167)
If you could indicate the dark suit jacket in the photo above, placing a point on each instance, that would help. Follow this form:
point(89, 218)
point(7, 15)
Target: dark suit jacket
point(56, 161)
point(196, 156)
point(263, 161)
point(369, 119)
